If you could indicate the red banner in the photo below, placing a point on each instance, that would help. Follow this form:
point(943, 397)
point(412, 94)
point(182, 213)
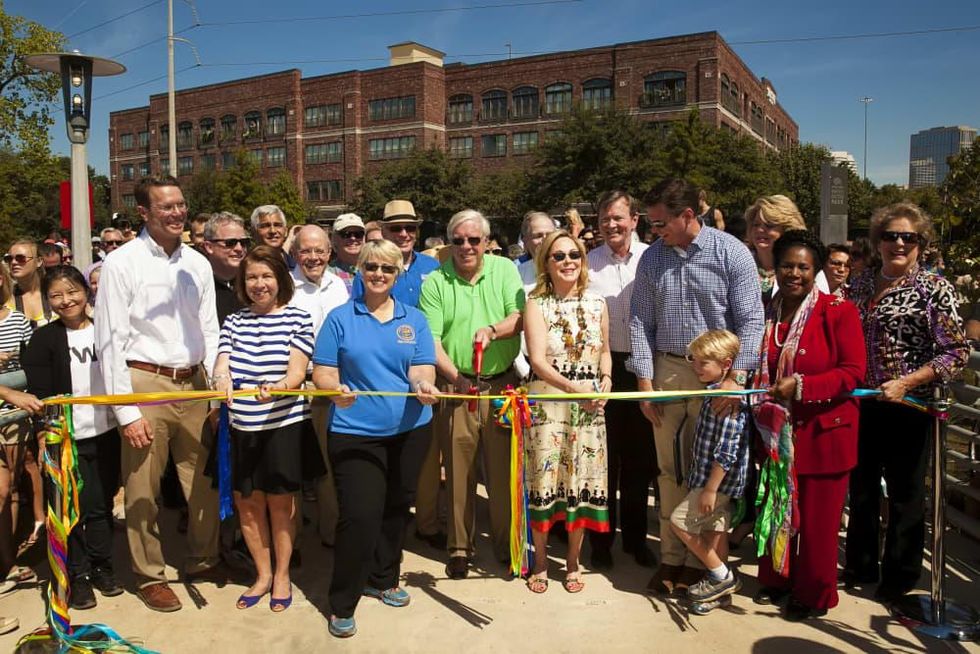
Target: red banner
point(66, 205)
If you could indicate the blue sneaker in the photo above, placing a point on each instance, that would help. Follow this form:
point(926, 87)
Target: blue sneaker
point(396, 596)
point(342, 627)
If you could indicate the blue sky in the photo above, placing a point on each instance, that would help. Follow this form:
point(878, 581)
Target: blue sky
point(916, 81)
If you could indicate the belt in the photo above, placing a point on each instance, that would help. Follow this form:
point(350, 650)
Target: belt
point(497, 376)
point(176, 374)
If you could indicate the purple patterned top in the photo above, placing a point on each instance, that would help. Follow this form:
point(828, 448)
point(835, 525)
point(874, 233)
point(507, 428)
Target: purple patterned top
point(915, 323)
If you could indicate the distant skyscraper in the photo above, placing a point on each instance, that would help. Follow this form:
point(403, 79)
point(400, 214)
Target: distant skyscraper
point(844, 157)
point(930, 150)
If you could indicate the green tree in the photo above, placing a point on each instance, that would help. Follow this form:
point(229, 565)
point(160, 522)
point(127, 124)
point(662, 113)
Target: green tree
point(283, 193)
point(799, 171)
point(27, 97)
point(203, 193)
point(239, 189)
point(692, 150)
point(504, 197)
point(739, 173)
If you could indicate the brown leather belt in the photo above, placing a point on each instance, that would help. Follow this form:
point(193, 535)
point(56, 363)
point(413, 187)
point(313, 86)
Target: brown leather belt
point(176, 374)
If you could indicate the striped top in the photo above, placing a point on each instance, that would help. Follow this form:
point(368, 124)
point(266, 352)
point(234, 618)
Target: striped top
point(15, 331)
point(258, 349)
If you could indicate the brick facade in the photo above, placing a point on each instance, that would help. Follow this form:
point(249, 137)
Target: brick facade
point(356, 120)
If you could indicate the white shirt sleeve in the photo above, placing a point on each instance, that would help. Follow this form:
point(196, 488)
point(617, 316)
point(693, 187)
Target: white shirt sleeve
point(209, 323)
point(112, 334)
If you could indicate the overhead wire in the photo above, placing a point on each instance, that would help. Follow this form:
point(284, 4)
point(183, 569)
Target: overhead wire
point(113, 20)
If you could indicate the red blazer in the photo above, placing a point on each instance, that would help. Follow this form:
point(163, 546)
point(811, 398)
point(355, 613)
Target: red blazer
point(831, 358)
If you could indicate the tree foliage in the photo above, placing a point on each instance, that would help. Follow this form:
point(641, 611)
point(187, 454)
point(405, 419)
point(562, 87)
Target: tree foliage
point(283, 193)
point(27, 97)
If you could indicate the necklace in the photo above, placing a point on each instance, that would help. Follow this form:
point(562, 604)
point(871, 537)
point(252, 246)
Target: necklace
point(889, 277)
point(779, 319)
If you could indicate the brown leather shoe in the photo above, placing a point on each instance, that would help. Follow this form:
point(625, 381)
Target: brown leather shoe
point(159, 597)
point(664, 579)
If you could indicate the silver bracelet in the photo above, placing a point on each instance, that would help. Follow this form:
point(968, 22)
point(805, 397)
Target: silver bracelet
point(798, 394)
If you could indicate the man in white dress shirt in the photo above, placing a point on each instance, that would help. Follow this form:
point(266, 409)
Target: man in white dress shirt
point(156, 329)
point(318, 291)
point(632, 454)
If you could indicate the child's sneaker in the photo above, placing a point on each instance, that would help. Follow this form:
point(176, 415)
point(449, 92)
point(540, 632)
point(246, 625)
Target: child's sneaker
point(708, 589)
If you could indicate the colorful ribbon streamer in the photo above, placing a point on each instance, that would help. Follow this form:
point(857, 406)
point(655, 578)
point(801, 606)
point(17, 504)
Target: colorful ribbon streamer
point(514, 411)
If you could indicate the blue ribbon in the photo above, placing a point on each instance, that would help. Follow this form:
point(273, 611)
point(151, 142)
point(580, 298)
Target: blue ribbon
point(226, 506)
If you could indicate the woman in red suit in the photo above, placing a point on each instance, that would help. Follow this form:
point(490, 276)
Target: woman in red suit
point(813, 356)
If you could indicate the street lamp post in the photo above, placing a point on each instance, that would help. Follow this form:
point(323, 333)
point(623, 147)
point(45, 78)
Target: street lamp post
point(77, 71)
point(866, 100)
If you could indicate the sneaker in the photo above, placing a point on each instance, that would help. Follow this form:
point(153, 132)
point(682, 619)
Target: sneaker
point(341, 627)
point(708, 589)
point(104, 580)
point(396, 596)
point(81, 595)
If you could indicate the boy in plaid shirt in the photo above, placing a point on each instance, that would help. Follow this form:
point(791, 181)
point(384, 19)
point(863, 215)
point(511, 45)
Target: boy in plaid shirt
point(717, 474)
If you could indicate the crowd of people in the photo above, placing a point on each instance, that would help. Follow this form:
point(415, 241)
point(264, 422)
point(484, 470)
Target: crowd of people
point(223, 303)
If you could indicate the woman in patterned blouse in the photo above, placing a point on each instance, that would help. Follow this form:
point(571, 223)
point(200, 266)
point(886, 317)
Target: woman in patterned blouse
point(915, 340)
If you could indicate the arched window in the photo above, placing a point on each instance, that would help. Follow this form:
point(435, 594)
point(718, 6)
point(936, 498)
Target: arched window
point(757, 118)
point(664, 89)
point(726, 92)
point(494, 105)
point(597, 94)
point(253, 125)
point(185, 134)
point(460, 109)
point(164, 136)
point(736, 100)
point(558, 98)
point(229, 127)
point(525, 101)
point(207, 130)
point(275, 124)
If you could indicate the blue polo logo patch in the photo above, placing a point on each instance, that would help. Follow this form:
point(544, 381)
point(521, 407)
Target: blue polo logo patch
point(406, 334)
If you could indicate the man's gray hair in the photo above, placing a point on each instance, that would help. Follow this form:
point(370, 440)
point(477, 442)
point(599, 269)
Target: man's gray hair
point(465, 216)
point(530, 217)
point(217, 220)
point(267, 210)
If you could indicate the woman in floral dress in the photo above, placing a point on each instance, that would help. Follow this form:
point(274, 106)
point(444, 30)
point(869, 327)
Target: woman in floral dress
point(567, 331)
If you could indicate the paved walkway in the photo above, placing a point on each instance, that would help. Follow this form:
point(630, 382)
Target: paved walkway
point(486, 613)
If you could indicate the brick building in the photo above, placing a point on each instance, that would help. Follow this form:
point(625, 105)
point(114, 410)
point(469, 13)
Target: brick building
point(328, 130)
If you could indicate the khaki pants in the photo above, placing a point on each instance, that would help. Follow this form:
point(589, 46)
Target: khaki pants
point(326, 493)
point(674, 439)
point(462, 433)
point(177, 430)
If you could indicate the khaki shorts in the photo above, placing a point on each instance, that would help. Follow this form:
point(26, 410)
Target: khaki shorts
point(686, 515)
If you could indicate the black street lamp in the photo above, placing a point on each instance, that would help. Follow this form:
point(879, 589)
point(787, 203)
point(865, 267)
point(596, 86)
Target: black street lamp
point(77, 71)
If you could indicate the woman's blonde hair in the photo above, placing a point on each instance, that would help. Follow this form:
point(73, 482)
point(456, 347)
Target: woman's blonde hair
point(573, 217)
point(715, 345)
point(776, 210)
point(543, 285)
point(381, 249)
point(6, 286)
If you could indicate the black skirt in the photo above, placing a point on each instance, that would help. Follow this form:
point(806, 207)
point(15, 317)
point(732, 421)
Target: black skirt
point(275, 461)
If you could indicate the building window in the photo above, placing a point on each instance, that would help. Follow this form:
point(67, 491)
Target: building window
point(461, 147)
point(185, 135)
point(127, 171)
point(207, 162)
point(726, 92)
point(392, 108)
point(552, 134)
point(143, 139)
point(275, 157)
point(524, 142)
point(185, 166)
point(664, 89)
point(275, 122)
point(324, 114)
point(229, 127)
point(525, 101)
point(736, 100)
point(770, 130)
point(494, 145)
point(144, 168)
point(165, 166)
point(256, 155)
point(227, 160)
point(324, 152)
point(397, 147)
point(129, 201)
point(494, 105)
point(758, 118)
point(597, 94)
point(460, 109)
point(558, 98)
point(253, 125)
point(324, 190)
point(126, 141)
point(207, 131)
point(164, 137)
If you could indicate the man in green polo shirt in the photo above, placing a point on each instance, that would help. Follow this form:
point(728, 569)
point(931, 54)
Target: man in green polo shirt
point(474, 297)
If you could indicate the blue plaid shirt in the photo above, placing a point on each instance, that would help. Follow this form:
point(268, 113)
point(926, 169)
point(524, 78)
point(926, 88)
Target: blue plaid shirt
point(724, 441)
point(677, 298)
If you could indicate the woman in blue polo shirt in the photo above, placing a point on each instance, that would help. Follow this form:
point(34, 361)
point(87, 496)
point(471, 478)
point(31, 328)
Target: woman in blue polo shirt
point(376, 445)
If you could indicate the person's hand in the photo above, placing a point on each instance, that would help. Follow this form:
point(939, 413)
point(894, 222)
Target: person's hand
point(462, 384)
point(222, 384)
point(484, 336)
point(138, 433)
point(894, 390)
point(652, 412)
point(426, 393)
point(605, 386)
point(727, 406)
point(345, 399)
point(6, 355)
point(784, 388)
point(265, 391)
point(24, 401)
point(706, 501)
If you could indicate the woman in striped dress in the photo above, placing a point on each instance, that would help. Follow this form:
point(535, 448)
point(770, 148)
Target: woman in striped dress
point(267, 345)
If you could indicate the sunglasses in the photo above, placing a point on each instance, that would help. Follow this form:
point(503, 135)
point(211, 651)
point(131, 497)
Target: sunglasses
point(232, 242)
point(108, 243)
point(410, 229)
point(386, 268)
point(910, 238)
point(19, 259)
point(573, 255)
point(352, 233)
point(497, 251)
point(472, 240)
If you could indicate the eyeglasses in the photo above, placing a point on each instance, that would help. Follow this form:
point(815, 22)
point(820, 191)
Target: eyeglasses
point(472, 240)
point(573, 255)
point(838, 264)
point(386, 268)
point(109, 243)
point(403, 227)
point(232, 242)
point(320, 252)
point(170, 208)
point(352, 233)
point(910, 238)
point(497, 251)
point(19, 259)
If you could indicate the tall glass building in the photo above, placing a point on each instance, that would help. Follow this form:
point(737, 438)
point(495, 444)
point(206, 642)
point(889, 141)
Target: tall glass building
point(931, 148)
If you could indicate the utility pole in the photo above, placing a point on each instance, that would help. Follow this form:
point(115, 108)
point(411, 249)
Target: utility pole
point(171, 101)
point(866, 100)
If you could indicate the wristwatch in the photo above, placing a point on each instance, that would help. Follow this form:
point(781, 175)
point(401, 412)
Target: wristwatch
point(740, 377)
